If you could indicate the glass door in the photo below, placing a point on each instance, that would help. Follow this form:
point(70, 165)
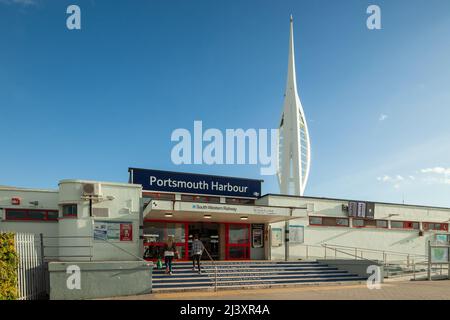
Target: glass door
point(208, 234)
point(156, 234)
point(237, 245)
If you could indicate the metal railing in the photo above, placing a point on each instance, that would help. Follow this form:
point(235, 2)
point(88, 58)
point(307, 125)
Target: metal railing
point(215, 268)
point(83, 250)
point(323, 251)
point(394, 262)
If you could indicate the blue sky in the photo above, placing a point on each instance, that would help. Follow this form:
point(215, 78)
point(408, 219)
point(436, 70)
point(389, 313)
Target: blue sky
point(90, 103)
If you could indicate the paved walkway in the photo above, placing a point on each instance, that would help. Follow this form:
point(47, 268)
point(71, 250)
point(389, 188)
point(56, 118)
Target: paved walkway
point(391, 290)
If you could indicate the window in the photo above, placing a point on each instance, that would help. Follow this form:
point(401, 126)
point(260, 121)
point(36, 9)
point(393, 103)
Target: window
point(238, 234)
point(382, 223)
point(404, 225)
point(69, 210)
point(368, 223)
point(160, 231)
point(342, 222)
point(397, 224)
point(31, 214)
point(358, 223)
point(315, 221)
point(329, 221)
point(411, 225)
point(159, 196)
point(200, 198)
point(239, 201)
point(435, 226)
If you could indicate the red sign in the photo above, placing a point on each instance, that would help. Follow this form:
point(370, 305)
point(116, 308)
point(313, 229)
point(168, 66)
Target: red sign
point(15, 201)
point(126, 232)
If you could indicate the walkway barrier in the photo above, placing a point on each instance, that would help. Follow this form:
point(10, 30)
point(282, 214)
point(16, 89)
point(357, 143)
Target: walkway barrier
point(395, 263)
point(32, 276)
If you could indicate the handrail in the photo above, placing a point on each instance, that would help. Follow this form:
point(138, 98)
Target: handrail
point(85, 246)
point(133, 255)
point(215, 268)
point(377, 250)
point(352, 255)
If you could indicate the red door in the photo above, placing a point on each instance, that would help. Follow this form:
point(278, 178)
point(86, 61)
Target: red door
point(237, 241)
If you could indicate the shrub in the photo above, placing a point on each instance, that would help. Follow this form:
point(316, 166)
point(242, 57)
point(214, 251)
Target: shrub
point(8, 267)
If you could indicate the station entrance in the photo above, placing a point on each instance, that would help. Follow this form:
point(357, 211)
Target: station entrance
point(223, 241)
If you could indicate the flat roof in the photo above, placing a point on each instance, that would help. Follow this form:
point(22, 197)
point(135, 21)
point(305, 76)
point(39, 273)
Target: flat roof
point(348, 200)
point(120, 184)
point(8, 188)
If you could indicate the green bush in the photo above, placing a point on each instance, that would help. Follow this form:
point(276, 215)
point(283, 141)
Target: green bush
point(8, 267)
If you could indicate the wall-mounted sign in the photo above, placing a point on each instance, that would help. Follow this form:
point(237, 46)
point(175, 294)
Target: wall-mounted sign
point(361, 209)
point(113, 230)
point(218, 207)
point(167, 181)
point(439, 255)
point(257, 235)
point(277, 237)
point(296, 234)
point(441, 239)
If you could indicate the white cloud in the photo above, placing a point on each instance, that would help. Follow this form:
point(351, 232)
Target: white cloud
point(394, 179)
point(382, 117)
point(437, 170)
point(436, 175)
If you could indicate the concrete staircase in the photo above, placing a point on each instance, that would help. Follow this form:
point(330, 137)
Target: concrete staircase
point(248, 274)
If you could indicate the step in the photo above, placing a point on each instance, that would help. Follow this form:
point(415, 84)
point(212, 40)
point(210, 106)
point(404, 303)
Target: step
point(237, 264)
point(257, 286)
point(240, 284)
point(254, 272)
point(241, 269)
point(248, 278)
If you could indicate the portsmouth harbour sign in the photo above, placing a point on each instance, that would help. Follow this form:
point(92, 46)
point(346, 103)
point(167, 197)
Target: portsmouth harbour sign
point(167, 181)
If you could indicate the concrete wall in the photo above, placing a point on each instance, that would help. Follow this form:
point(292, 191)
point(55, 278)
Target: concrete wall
point(397, 240)
point(358, 267)
point(122, 202)
point(48, 199)
point(100, 279)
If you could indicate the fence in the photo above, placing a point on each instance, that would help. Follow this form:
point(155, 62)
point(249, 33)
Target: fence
point(32, 276)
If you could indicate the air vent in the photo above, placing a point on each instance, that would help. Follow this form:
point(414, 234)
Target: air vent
point(100, 212)
point(91, 189)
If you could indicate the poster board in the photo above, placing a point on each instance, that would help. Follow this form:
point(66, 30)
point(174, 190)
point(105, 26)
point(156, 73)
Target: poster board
point(439, 255)
point(113, 230)
point(296, 234)
point(277, 237)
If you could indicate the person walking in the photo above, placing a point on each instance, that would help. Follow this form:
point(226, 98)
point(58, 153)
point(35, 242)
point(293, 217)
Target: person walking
point(170, 250)
point(197, 250)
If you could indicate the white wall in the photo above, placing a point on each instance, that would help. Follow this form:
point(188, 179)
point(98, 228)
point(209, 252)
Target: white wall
point(397, 240)
point(48, 199)
point(125, 206)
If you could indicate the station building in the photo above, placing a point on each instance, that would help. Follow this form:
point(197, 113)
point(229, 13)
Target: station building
point(103, 221)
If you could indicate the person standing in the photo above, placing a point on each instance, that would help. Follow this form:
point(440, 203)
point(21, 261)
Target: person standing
point(197, 250)
point(170, 250)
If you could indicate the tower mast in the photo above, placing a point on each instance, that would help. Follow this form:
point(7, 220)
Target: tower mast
point(294, 143)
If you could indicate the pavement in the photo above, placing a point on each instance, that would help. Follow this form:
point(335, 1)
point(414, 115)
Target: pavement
point(390, 290)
